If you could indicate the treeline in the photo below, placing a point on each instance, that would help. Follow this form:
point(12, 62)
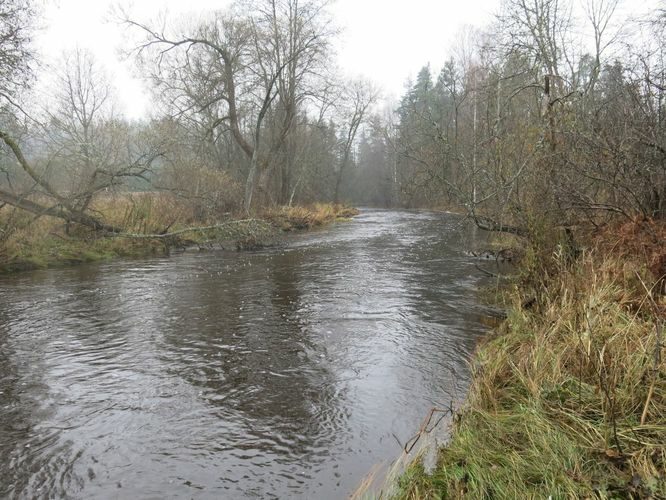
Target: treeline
point(544, 119)
point(249, 112)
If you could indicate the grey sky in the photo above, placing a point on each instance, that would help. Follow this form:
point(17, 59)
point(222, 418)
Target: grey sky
point(386, 41)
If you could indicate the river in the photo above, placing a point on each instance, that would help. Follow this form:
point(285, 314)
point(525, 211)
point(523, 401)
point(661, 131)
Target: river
point(283, 373)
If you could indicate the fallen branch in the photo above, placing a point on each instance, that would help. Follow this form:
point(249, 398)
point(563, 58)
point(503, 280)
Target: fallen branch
point(487, 273)
point(56, 211)
point(222, 225)
point(488, 224)
point(409, 445)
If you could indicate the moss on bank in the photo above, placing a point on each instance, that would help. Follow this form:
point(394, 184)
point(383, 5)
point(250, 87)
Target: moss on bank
point(568, 398)
point(28, 242)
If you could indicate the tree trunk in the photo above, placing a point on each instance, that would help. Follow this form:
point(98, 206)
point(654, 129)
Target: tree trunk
point(336, 196)
point(250, 182)
point(57, 211)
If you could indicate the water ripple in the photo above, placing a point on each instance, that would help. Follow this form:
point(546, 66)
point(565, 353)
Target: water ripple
point(278, 373)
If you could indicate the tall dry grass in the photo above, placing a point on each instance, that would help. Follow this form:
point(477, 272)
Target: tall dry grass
point(306, 217)
point(28, 241)
point(568, 398)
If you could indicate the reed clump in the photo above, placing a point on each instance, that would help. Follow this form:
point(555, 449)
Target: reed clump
point(568, 398)
point(307, 217)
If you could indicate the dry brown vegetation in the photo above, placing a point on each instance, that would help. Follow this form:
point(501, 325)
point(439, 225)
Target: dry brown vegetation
point(569, 395)
point(152, 223)
point(307, 217)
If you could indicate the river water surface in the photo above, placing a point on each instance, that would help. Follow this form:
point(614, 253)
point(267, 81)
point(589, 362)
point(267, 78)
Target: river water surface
point(284, 373)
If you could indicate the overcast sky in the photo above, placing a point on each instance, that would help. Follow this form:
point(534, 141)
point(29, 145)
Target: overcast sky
point(387, 41)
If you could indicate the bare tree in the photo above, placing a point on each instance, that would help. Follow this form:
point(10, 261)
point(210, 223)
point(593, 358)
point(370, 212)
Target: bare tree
point(241, 68)
point(356, 100)
point(600, 14)
point(81, 150)
point(539, 28)
point(91, 148)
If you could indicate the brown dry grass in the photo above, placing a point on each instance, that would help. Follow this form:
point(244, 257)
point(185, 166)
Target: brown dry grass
point(641, 245)
point(29, 242)
point(568, 398)
point(308, 217)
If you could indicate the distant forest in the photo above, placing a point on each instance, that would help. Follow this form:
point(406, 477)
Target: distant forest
point(542, 118)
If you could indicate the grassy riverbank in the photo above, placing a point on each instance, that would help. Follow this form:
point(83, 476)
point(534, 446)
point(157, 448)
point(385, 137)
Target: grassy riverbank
point(568, 398)
point(152, 224)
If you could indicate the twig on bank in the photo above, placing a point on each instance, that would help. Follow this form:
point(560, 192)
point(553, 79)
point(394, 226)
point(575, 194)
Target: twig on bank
point(190, 229)
point(486, 272)
point(409, 445)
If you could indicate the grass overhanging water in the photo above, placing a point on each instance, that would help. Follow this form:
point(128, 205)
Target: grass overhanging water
point(568, 398)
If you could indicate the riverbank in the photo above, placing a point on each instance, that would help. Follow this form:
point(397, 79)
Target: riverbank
point(153, 224)
point(568, 398)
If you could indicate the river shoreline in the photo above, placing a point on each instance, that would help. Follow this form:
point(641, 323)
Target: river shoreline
point(568, 394)
point(54, 245)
